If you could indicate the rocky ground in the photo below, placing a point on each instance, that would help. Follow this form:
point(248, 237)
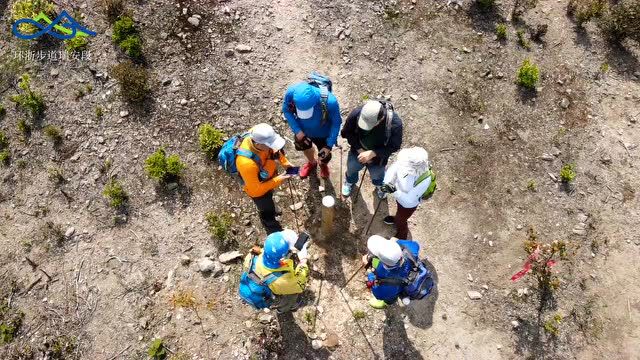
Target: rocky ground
point(93, 283)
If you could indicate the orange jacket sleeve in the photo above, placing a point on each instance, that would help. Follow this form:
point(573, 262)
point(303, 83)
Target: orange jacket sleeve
point(283, 160)
point(249, 171)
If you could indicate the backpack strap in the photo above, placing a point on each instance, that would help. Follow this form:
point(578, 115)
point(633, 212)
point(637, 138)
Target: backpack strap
point(267, 280)
point(389, 118)
point(263, 174)
point(423, 177)
point(392, 281)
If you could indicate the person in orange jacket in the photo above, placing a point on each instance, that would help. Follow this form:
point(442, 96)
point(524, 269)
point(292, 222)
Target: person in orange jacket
point(261, 178)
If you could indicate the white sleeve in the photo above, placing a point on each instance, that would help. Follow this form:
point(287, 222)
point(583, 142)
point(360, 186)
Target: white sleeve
point(391, 174)
point(419, 189)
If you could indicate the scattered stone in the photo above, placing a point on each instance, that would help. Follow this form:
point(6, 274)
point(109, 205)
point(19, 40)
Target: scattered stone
point(144, 322)
point(265, 318)
point(332, 340)
point(555, 151)
point(414, 97)
point(185, 260)
point(297, 206)
point(466, 50)
point(184, 102)
point(547, 157)
point(194, 20)
point(69, 233)
point(172, 186)
point(486, 287)
point(469, 277)
point(54, 72)
point(241, 48)
point(515, 323)
point(316, 344)
point(100, 140)
point(553, 177)
point(206, 265)
point(498, 346)
point(565, 103)
point(582, 217)
point(229, 256)
point(124, 113)
point(474, 295)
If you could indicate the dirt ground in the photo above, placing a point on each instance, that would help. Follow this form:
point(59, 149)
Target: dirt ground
point(110, 285)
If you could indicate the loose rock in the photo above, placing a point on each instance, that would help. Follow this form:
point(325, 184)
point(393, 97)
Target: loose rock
point(474, 295)
point(243, 48)
point(229, 256)
point(316, 344)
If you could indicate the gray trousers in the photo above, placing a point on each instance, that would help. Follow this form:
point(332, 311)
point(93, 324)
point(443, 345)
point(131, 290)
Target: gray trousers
point(286, 303)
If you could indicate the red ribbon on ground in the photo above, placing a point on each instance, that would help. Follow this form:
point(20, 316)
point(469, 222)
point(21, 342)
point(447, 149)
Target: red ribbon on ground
point(528, 265)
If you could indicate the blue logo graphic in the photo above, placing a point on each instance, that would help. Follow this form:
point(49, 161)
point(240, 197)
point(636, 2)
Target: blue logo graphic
point(64, 27)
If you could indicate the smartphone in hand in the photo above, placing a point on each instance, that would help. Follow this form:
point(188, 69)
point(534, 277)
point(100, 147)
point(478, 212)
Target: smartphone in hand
point(293, 170)
point(302, 239)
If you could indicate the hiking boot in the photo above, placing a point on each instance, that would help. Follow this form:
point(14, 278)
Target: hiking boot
point(324, 171)
point(377, 304)
point(346, 189)
point(381, 194)
point(307, 169)
point(389, 220)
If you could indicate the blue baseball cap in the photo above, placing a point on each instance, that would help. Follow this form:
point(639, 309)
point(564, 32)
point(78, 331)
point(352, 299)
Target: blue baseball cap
point(305, 97)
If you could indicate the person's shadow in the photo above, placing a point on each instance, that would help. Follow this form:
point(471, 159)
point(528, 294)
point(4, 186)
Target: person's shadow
point(295, 342)
point(395, 342)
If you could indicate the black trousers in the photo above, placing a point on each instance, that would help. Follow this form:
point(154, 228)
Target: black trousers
point(267, 212)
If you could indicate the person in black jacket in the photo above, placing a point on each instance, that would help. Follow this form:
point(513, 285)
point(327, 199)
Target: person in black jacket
point(374, 132)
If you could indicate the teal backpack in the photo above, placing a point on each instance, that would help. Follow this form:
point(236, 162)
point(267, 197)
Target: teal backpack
point(432, 187)
point(254, 290)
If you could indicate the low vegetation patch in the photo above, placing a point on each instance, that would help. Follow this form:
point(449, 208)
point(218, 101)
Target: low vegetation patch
point(568, 173)
point(24, 128)
point(486, 4)
point(164, 168)
point(219, 225)
point(127, 37)
point(54, 134)
point(56, 175)
point(5, 157)
point(53, 233)
point(77, 43)
point(501, 32)
point(115, 193)
point(210, 139)
point(528, 75)
point(132, 80)
point(10, 323)
point(622, 20)
point(522, 39)
point(28, 9)
point(29, 100)
point(185, 299)
point(112, 9)
point(585, 10)
point(359, 314)
point(3, 111)
point(4, 140)
point(157, 350)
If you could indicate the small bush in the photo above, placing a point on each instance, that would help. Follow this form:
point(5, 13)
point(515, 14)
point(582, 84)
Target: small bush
point(24, 128)
point(531, 185)
point(210, 139)
point(185, 299)
point(127, 37)
point(501, 31)
point(219, 225)
point(3, 111)
point(112, 9)
point(77, 43)
point(5, 157)
point(29, 100)
point(622, 20)
point(99, 112)
point(156, 350)
point(53, 233)
point(585, 10)
point(604, 67)
point(359, 314)
point(133, 81)
point(164, 168)
point(56, 175)
point(28, 9)
point(114, 192)
point(486, 4)
point(522, 39)
point(4, 140)
point(551, 325)
point(528, 75)
point(568, 173)
point(54, 134)
point(132, 46)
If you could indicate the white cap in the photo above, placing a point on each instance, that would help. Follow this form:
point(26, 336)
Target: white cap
point(265, 135)
point(304, 114)
point(388, 251)
point(369, 115)
point(290, 237)
point(413, 161)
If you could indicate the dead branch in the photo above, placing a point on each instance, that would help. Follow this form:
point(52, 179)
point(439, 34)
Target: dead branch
point(120, 353)
point(32, 263)
point(26, 291)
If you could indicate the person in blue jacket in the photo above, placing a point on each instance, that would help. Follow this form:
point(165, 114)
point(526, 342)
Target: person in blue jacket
point(313, 124)
point(385, 260)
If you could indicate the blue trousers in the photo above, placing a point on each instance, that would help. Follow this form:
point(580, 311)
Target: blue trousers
point(353, 170)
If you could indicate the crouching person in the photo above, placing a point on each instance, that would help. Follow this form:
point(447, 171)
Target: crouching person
point(395, 271)
point(276, 275)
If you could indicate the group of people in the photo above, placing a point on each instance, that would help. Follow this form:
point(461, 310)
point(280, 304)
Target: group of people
point(276, 274)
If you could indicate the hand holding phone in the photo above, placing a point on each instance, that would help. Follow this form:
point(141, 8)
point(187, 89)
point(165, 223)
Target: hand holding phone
point(293, 170)
point(303, 238)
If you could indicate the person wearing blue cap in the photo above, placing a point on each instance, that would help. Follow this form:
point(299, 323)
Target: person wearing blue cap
point(286, 279)
point(313, 114)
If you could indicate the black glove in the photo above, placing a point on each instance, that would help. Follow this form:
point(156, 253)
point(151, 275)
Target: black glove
point(388, 188)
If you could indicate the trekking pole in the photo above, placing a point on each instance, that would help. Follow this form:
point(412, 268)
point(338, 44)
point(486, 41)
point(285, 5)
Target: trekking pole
point(352, 276)
point(295, 215)
point(340, 184)
point(372, 217)
point(360, 186)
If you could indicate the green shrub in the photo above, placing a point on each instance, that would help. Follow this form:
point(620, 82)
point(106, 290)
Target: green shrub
point(568, 173)
point(5, 157)
point(551, 325)
point(528, 75)
point(133, 81)
point(359, 314)
point(522, 39)
point(585, 10)
point(3, 111)
point(56, 175)
point(210, 139)
point(54, 134)
point(531, 185)
point(99, 112)
point(604, 67)
point(4, 140)
point(29, 100)
point(132, 46)
point(486, 4)
point(24, 128)
point(164, 168)
point(29, 9)
point(622, 20)
point(501, 31)
point(112, 9)
point(114, 192)
point(157, 350)
point(219, 224)
point(77, 43)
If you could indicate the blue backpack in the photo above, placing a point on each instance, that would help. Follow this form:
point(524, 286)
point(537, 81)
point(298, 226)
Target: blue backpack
point(325, 85)
point(418, 284)
point(231, 149)
point(254, 290)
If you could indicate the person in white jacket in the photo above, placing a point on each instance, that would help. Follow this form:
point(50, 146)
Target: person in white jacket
point(401, 180)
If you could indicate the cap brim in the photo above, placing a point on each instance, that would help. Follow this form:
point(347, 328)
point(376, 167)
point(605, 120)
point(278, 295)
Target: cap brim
point(277, 143)
point(364, 125)
point(304, 114)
